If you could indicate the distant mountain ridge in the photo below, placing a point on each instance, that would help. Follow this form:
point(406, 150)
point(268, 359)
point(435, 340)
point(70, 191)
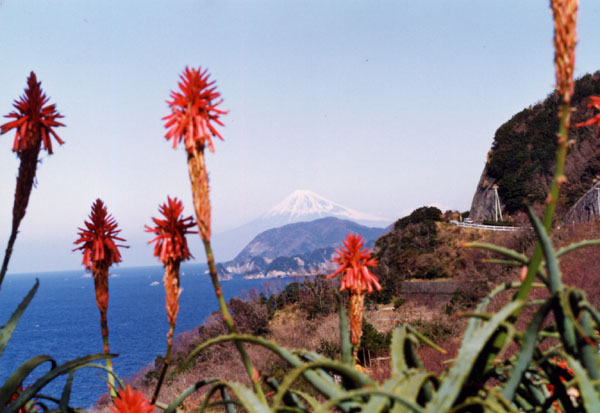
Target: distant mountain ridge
point(299, 206)
point(297, 249)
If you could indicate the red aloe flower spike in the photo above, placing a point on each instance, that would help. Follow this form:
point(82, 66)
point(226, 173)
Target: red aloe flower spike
point(171, 244)
point(100, 251)
point(34, 120)
point(131, 401)
point(354, 266)
point(171, 248)
point(193, 111)
point(595, 103)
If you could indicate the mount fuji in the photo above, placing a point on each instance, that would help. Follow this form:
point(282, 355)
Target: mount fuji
point(300, 206)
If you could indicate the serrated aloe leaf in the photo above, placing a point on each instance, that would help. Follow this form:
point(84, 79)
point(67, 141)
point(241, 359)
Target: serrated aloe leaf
point(408, 406)
point(528, 346)
point(470, 351)
point(554, 277)
point(66, 393)
point(577, 245)
point(589, 395)
point(565, 320)
point(418, 387)
point(65, 368)
point(402, 354)
point(358, 379)
point(288, 397)
point(522, 258)
point(475, 323)
point(172, 407)
point(225, 396)
point(11, 324)
point(588, 348)
point(311, 400)
point(248, 399)
point(15, 380)
point(323, 385)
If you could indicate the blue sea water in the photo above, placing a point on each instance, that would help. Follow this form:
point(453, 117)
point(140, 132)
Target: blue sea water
point(63, 321)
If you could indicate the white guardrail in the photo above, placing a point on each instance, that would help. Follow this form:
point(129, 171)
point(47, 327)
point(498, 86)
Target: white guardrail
point(489, 227)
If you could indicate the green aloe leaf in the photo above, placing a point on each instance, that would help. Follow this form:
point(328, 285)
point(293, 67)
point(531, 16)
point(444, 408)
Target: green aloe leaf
point(248, 399)
point(407, 405)
point(554, 276)
point(65, 368)
point(577, 245)
point(517, 256)
point(528, 346)
point(172, 407)
point(311, 400)
point(288, 397)
point(225, 396)
point(471, 351)
point(66, 393)
point(16, 378)
point(346, 345)
point(403, 356)
point(322, 384)
point(589, 395)
point(358, 379)
point(10, 326)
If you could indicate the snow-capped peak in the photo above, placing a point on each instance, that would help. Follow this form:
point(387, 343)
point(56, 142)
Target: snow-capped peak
point(304, 204)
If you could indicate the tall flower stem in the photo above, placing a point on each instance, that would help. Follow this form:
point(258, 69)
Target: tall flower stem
point(172, 290)
point(200, 191)
point(552, 200)
point(565, 39)
point(165, 366)
point(25, 178)
point(101, 287)
point(212, 270)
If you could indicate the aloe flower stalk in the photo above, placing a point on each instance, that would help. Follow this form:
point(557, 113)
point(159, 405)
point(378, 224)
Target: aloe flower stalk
point(171, 249)
point(564, 14)
point(354, 263)
point(34, 122)
point(100, 250)
point(192, 120)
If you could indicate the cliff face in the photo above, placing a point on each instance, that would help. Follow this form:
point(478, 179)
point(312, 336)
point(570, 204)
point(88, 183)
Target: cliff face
point(483, 203)
point(521, 159)
point(586, 208)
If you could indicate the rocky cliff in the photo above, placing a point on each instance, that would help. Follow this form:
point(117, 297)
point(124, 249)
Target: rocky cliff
point(586, 208)
point(483, 205)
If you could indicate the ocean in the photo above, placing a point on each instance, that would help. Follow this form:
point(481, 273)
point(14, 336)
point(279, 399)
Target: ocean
point(63, 321)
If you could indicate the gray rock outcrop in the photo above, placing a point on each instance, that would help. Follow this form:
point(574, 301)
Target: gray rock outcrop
point(586, 208)
point(483, 205)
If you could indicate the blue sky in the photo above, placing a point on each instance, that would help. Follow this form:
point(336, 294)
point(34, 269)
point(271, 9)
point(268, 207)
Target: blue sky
point(381, 106)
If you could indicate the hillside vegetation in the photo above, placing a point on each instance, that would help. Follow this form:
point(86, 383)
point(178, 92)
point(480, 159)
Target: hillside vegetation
point(522, 156)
